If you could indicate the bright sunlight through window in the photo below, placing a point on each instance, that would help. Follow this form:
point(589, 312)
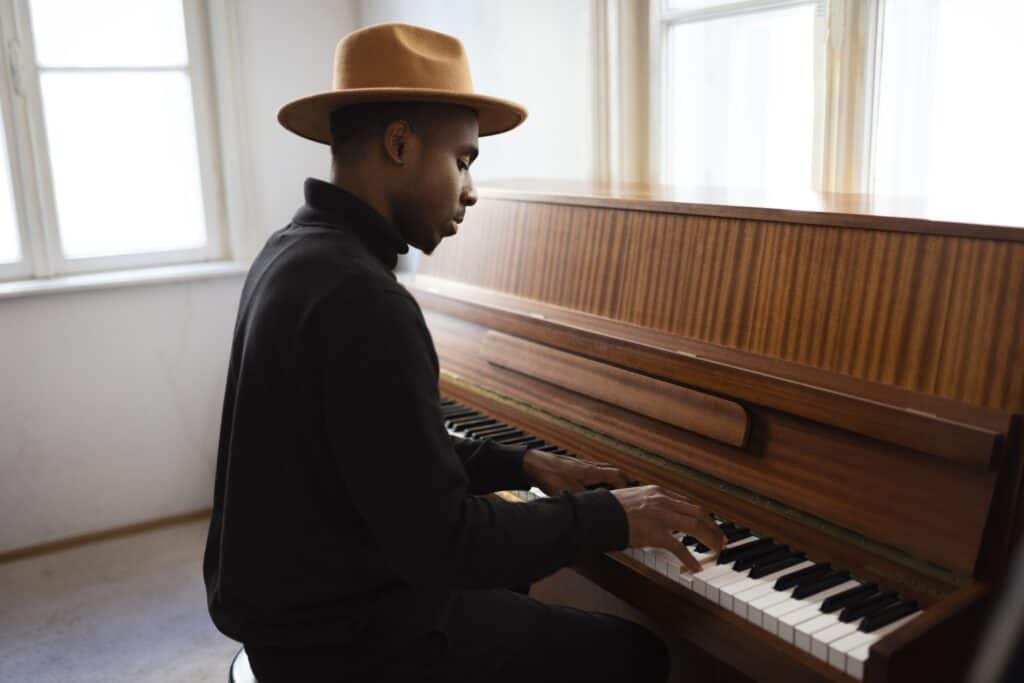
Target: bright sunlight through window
point(740, 100)
point(118, 109)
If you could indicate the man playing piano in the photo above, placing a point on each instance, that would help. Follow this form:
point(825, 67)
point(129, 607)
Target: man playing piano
point(351, 537)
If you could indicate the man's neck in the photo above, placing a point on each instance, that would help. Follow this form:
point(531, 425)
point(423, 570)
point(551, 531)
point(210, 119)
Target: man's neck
point(360, 187)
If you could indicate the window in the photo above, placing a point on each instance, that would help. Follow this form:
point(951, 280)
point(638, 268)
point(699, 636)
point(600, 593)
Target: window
point(740, 94)
point(950, 104)
point(109, 108)
point(10, 248)
point(886, 96)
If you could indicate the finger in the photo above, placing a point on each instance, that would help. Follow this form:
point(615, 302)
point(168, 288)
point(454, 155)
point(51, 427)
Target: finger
point(681, 506)
point(685, 506)
point(680, 551)
point(683, 498)
point(703, 529)
point(613, 476)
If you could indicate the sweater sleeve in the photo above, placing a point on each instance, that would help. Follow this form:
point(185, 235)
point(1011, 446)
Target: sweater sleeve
point(491, 466)
point(403, 474)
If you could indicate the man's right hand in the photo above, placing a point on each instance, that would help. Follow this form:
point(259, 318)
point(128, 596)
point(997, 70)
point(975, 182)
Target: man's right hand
point(655, 513)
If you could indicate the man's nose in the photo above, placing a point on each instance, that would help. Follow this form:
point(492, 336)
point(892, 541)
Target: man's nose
point(469, 196)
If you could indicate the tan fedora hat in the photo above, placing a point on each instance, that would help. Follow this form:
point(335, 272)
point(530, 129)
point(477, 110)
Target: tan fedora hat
point(398, 62)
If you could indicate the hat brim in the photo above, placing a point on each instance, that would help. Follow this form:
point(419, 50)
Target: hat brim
point(310, 116)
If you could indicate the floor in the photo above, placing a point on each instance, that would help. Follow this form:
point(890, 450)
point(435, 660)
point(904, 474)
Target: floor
point(134, 609)
point(127, 609)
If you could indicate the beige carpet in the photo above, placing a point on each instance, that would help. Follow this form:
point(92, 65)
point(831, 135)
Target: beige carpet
point(129, 609)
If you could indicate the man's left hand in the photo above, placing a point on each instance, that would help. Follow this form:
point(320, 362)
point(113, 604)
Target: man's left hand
point(554, 473)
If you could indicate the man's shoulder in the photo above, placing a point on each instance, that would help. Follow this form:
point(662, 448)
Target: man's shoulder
point(316, 262)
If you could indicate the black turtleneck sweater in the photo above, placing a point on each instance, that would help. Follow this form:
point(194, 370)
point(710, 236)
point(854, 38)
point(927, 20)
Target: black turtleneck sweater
point(341, 505)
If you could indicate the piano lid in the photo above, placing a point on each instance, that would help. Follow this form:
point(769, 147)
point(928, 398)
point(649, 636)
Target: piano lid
point(948, 216)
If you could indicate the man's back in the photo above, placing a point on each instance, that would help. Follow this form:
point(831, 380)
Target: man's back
point(283, 559)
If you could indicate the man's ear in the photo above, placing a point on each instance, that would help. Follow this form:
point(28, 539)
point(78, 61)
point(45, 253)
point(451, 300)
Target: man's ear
point(397, 137)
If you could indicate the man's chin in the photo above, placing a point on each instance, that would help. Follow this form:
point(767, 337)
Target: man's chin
point(428, 249)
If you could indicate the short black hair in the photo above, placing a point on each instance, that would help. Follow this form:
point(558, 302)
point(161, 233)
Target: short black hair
point(353, 125)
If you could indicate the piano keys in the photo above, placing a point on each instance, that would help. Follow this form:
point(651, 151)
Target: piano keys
point(773, 586)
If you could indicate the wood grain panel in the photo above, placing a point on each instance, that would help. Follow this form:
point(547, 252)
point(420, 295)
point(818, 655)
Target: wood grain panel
point(899, 497)
point(954, 431)
point(710, 416)
point(906, 309)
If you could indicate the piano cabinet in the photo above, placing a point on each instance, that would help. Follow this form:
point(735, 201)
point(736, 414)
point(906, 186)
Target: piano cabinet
point(843, 377)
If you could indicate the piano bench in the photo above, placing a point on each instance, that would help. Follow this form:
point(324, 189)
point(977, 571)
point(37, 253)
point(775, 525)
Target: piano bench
point(240, 671)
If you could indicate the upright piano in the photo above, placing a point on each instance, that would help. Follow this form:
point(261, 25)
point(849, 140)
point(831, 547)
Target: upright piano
point(839, 379)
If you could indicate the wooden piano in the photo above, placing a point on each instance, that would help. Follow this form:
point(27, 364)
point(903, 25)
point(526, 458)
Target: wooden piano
point(843, 376)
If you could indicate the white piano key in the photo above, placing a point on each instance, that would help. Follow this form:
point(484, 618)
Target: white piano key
point(728, 594)
point(701, 579)
point(712, 589)
point(675, 570)
point(839, 649)
point(713, 569)
point(757, 606)
point(770, 621)
point(855, 661)
point(802, 632)
point(822, 639)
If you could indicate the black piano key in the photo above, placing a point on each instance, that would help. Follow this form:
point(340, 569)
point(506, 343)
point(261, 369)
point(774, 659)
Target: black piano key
point(806, 589)
point(690, 540)
point(492, 430)
point(737, 534)
point(497, 436)
point(868, 607)
point(533, 443)
point(518, 440)
point(847, 598)
point(762, 570)
point(726, 526)
point(489, 431)
point(746, 563)
point(479, 422)
point(562, 451)
point(505, 438)
point(548, 448)
point(732, 554)
point(787, 581)
point(743, 533)
point(457, 422)
point(502, 433)
point(888, 615)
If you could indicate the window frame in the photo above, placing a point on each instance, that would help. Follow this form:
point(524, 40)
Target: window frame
point(31, 173)
point(845, 105)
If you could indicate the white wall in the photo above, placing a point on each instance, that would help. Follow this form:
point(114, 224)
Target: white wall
point(109, 405)
point(535, 52)
point(286, 51)
point(110, 399)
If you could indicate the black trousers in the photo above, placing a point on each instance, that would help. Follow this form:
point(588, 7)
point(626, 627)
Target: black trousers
point(492, 636)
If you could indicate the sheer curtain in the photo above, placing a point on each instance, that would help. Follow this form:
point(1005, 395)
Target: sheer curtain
point(740, 99)
point(950, 117)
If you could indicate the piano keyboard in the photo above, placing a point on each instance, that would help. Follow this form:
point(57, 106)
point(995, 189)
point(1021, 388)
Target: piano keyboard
point(821, 610)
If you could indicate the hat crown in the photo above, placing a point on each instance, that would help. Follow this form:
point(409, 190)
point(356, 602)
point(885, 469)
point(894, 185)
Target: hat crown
point(401, 56)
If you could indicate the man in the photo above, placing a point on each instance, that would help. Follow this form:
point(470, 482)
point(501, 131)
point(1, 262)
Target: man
point(350, 537)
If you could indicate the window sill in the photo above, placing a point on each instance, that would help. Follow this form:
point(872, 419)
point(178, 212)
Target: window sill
point(121, 278)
